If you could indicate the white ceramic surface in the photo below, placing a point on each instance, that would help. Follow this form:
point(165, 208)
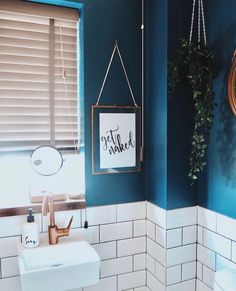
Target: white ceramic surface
point(65, 266)
point(225, 280)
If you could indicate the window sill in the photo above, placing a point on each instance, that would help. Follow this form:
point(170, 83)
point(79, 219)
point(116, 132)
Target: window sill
point(58, 206)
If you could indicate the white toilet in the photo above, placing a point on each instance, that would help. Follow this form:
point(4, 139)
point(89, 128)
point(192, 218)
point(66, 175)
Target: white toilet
point(225, 280)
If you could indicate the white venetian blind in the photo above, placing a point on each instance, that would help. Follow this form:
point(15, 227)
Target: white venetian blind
point(38, 76)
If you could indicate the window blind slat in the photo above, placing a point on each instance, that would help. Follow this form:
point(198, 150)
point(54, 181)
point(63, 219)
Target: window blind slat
point(66, 39)
point(14, 76)
point(20, 128)
point(39, 11)
point(34, 69)
point(23, 119)
point(23, 60)
point(26, 136)
point(26, 43)
point(34, 52)
point(38, 86)
point(23, 18)
point(22, 25)
point(22, 34)
point(20, 102)
point(16, 111)
point(23, 51)
point(68, 64)
point(24, 82)
point(68, 47)
point(35, 94)
point(22, 146)
point(9, 93)
point(66, 31)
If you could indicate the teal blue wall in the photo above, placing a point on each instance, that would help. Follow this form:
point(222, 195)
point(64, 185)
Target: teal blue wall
point(156, 102)
point(169, 122)
point(180, 115)
point(104, 21)
point(217, 184)
point(217, 191)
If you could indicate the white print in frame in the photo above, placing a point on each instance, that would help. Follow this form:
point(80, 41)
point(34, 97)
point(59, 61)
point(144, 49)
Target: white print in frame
point(117, 137)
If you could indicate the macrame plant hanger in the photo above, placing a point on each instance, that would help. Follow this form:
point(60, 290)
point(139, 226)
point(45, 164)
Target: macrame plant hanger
point(200, 22)
point(116, 49)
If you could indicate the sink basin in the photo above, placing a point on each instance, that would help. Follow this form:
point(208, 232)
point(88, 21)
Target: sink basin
point(61, 267)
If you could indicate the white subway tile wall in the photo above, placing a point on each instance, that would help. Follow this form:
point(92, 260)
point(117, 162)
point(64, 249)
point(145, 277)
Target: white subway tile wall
point(151, 265)
point(215, 246)
point(160, 272)
point(153, 283)
point(131, 211)
point(174, 237)
point(140, 262)
point(171, 248)
point(156, 214)
point(116, 266)
point(142, 246)
point(180, 255)
point(117, 232)
point(189, 270)
point(183, 286)
point(9, 267)
point(181, 217)
point(173, 275)
point(207, 218)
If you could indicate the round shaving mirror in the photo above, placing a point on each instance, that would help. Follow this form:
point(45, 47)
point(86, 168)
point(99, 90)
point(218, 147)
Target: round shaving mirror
point(46, 160)
point(232, 84)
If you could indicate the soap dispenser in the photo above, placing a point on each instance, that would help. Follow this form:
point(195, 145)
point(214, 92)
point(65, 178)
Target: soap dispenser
point(30, 232)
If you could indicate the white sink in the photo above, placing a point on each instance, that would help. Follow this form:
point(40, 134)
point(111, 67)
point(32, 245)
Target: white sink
point(65, 266)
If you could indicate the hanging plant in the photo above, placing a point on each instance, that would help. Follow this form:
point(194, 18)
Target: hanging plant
point(173, 77)
point(198, 61)
point(200, 72)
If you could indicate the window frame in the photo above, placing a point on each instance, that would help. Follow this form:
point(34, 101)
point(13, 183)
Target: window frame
point(80, 76)
point(81, 204)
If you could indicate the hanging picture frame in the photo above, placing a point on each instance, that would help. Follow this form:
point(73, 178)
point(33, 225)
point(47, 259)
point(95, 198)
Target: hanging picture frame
point(115, 132)
point(116, 139)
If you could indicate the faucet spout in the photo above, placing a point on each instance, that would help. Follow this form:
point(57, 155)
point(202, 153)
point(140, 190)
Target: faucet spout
point(53, 231)
point(48, 200)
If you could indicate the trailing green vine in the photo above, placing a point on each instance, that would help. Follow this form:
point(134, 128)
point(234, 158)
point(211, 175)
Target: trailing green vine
point(200, 72)
point(173, 77)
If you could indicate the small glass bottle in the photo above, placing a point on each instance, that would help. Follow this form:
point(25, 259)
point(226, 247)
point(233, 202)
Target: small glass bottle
point(30, 232)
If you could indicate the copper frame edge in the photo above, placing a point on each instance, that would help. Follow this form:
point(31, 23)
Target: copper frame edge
point(231, 85)
point(138, 108)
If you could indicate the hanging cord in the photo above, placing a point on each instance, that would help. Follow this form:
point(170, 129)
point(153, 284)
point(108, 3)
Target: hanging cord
point(201, 21)
point(116, 48)
point(105, 78)
point(142, 85)
point(126, 76)
point(192, 21)
point(64, 77)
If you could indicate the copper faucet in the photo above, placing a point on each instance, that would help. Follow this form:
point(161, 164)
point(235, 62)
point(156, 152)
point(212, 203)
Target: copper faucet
point(53, 231)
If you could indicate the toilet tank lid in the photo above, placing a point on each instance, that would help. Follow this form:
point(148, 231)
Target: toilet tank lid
point(226, 279)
